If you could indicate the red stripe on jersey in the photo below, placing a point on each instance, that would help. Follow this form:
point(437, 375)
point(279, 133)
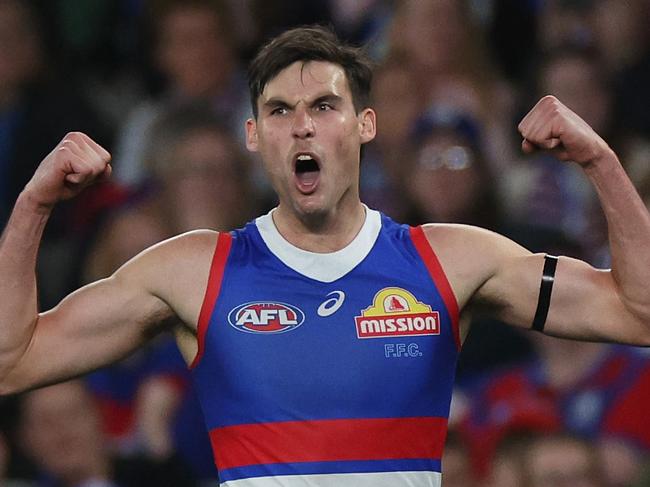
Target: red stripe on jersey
point(224, 241)
point(329, 440)
point(439, 278)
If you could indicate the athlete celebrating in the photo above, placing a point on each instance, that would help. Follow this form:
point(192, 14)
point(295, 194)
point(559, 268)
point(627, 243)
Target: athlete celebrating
point(323, 336)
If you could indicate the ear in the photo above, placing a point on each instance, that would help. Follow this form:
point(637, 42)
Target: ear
point(251, 135)
point(367, 125)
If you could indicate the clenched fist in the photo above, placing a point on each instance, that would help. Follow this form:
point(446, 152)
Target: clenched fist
point(550, 125)
point(75, 163)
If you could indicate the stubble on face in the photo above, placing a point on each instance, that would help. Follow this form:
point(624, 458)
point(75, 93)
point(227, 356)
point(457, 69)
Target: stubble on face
point(307, 110)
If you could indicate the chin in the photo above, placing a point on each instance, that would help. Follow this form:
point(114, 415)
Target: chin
point(310, 206)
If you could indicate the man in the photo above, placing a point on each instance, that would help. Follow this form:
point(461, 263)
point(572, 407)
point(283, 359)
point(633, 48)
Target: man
point(325, 343)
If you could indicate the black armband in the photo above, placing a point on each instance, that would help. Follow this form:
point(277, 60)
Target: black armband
point(545, 288)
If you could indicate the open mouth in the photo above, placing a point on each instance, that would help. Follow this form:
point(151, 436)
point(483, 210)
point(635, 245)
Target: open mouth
point(307, 171)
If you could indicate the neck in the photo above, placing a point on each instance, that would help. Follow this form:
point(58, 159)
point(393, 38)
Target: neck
point(321, 232)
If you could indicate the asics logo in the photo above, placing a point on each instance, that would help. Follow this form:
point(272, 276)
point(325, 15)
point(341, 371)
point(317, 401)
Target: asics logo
point(331, 305)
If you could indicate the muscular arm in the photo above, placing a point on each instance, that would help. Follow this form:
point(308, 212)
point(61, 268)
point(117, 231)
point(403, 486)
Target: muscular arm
point(586, 303)
point(92, 327)
point(502, 277)
point(108, 319)
point(103, 321)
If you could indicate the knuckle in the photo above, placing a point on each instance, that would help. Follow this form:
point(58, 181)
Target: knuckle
point(68, 144)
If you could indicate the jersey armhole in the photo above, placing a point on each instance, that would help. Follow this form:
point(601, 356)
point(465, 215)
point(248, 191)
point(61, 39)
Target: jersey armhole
point(219, 259)
point(439, 278)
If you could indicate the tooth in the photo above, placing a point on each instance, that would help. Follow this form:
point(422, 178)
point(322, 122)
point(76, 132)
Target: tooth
point(304, 157)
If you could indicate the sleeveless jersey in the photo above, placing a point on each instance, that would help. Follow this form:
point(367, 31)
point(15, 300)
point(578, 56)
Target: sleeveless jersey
point(331, 369)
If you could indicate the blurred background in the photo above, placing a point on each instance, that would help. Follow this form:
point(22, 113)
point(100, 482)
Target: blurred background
point(162, 85)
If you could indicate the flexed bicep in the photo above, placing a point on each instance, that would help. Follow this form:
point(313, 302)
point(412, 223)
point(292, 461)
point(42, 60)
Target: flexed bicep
point(575, 300)
point(94, 326)
point(105, 321)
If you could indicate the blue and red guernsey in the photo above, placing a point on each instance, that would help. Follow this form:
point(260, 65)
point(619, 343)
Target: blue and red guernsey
point(327, 369)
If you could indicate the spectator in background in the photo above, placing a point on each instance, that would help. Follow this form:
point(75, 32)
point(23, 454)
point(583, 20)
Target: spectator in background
point(594, 390)
point(507, 469)
point(562, 461)
point(190, 158)
point(543, 456)
point(99, 43)
point(360, 21)
point(621, 31)
point(452, 69)
point(37, 108)
point(444, 45)
point(456, 462)
point(618, 32)
point(546, 192)
point(195, 52)
point(622, 462)
point(386, 160)
point(448, 180)
point(62, 433)
point(562, 22)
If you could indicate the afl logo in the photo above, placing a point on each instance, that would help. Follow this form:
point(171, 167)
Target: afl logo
point(266, 317)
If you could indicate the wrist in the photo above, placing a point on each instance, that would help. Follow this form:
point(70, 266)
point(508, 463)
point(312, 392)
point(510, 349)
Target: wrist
point(603, 164)
point(29, 201)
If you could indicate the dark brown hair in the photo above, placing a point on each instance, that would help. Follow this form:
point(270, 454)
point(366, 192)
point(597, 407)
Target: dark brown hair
point(311, 43)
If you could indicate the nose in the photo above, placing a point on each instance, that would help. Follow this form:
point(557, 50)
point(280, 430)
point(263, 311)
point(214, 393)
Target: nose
point(303, 124)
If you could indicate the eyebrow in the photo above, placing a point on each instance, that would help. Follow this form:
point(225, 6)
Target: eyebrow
point(330, 98)
point(275, 102)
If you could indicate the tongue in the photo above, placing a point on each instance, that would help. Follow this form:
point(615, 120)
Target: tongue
point(308, 178)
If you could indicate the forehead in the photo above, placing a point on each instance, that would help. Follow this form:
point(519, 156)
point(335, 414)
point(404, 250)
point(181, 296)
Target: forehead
point(306, 79)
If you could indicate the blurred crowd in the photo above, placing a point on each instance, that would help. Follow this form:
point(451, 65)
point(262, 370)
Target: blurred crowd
point(162, 85)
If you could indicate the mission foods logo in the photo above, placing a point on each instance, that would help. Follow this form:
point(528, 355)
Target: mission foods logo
point(266, 317)
point(396, 313)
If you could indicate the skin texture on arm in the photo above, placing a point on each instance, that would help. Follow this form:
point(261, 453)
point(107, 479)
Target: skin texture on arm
point(73, 164)
point(106, 320)
point(586, 303)
point(103, 321)
point(490, 271)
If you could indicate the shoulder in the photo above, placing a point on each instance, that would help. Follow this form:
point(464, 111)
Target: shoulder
point(453, 241)
point(470, 255)
point(460, 234)
point(194, 246)
point(174, 257)
point(175, 270)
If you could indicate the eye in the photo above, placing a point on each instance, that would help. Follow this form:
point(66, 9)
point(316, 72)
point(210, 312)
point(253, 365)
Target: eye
point(324, 106)
point(279, 111)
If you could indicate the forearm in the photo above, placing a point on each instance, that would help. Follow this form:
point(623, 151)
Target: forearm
point(628, 224)
point(19, 305)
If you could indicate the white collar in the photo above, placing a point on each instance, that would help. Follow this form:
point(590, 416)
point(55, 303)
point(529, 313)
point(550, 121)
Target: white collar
point(324, 267)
